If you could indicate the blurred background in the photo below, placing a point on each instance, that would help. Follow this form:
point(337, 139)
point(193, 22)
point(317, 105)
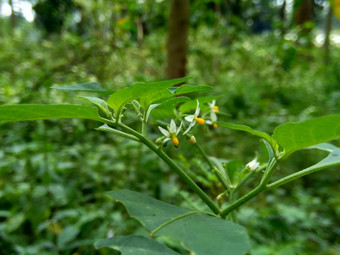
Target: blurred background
point(269, 62)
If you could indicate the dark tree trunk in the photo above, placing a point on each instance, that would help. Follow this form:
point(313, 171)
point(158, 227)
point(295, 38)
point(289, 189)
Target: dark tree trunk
point(303, 12)
point(283, 18)
point(303, 16)
point(177, 47)
point(328, 28)
point(13, 18)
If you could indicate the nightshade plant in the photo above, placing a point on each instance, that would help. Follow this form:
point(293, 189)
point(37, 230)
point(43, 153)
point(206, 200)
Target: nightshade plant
point(173, 116)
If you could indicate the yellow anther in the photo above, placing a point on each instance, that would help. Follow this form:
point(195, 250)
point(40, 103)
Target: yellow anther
point(175, 141)
point(200, 121)
point(214, 125)
point(215, 108)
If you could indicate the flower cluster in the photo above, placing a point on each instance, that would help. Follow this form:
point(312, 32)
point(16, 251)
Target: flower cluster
point(171, 133)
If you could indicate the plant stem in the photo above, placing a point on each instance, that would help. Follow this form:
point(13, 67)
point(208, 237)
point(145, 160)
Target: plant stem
point(213, 168)
point(221, 178)
point(175, 167)
point(144, 124)
point(296, 175)
point(117, 132)
point(261, 187)
point(232, 199)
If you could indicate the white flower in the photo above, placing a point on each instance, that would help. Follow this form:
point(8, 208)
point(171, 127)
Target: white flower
point(193, 119)
point(214, 107)
point(213, 120)
point(172, 133)
point(252, 165)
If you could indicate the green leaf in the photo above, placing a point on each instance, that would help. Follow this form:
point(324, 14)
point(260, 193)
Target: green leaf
point(294, 136)
point(185, 89)
point(86, 87)
point(332, 159)
point(68, 234)
point(147, 92)
point(191, 105)
point(158, 96)
point(148, 211)
point(135, 245)
point(200, 233)
point(101, 104)
point(166, 109)
point(23, 112)
point(247, 129)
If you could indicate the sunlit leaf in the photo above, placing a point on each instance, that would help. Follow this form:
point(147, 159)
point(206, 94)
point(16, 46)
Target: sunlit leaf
point(251, 131)
point(294, 136)
point(86, 87)
point(336, 8)
point(135, 245)
point(147, 92)
point(166, 109)
point(100, 103)
point(185, 89)
point(23, 112)
point(332, 159)
point(191, 105)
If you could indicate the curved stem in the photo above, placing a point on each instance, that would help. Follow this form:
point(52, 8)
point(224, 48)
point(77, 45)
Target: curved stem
point(107, 129)
point(175, 167)
point(296, 175)
point(205, 156)
point(261, 187)
point(218, 174)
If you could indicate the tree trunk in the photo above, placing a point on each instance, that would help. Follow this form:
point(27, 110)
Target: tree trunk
point(13, 18)
point(328, 27)
point(177, 47)
point(303, 16)
point(140, 32)
point(303, 12)
point(283, 18)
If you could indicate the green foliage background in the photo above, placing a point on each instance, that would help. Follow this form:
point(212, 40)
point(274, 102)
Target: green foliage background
point(54, 175)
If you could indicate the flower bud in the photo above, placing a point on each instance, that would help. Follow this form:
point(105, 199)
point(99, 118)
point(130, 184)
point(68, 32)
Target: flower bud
point(192, 140)
point(252, 165)
point(159, 140)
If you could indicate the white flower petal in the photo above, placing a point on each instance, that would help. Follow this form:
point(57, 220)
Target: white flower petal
point(172, 126)
point(151, 107)
point(190, 126)
point(164, 131)
point(179, 128)
point(165, 140)
point(189, 118)
point(213, 116)
point(209, 122)
point(197, 111)
point(253, 164)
